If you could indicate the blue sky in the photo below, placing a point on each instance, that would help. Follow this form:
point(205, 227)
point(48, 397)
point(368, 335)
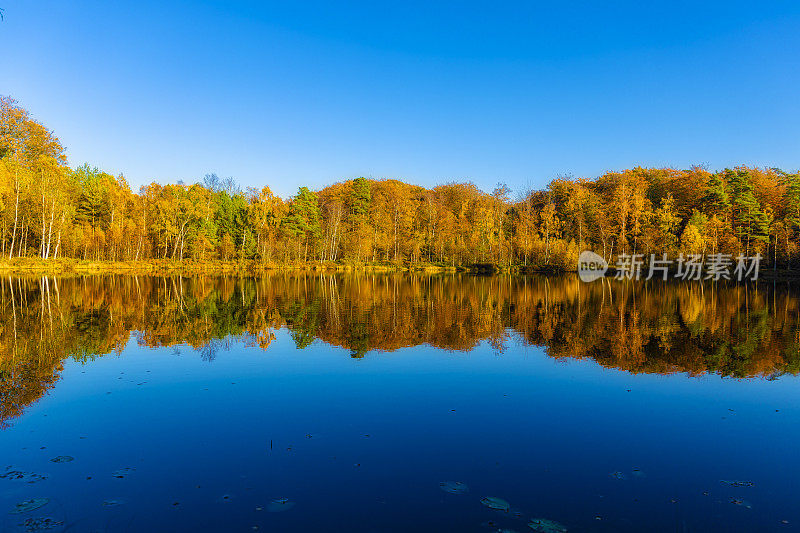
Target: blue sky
point(291, 94)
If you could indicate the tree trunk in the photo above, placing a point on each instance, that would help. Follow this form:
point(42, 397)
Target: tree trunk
point(41, 244)
point(50, 232)
point(58, 239)
point(16, 217)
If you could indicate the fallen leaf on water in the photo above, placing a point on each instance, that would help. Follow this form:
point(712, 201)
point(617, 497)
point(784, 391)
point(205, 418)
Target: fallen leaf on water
point(543, 525)
point(122, 472)
point(29, 505)
point(734, 483)
point(27, 477)
point(41, 524)
point(454, 487)
point(279, 504)
point(498, 504)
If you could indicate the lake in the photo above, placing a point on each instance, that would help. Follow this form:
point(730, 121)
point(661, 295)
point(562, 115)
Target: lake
point(398, 402)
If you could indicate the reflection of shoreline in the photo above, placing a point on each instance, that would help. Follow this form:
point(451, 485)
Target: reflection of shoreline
point(730, 329)
point(792, 276)
point(32, 266)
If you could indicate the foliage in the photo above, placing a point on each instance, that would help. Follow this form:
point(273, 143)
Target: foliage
point(51, 211)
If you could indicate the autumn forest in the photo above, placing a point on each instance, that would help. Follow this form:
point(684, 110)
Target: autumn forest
point(51, 211)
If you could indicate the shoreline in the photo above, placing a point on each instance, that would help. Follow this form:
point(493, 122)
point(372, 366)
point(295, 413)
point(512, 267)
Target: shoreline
point(71, 266)
point(34, 265)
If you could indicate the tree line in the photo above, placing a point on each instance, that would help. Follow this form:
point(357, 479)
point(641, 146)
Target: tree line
point(49, 210)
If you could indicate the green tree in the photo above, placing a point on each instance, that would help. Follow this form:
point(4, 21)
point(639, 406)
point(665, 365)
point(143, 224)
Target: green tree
point(750, 222)
point(716, 200)
point(358, 204)
point(302, 224)
point(232, 219)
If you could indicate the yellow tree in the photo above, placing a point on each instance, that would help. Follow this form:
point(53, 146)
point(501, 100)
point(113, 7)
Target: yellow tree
point(266, 213)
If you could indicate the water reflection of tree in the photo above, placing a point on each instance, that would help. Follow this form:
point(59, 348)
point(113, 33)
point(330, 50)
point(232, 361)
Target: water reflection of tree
point(731, 330)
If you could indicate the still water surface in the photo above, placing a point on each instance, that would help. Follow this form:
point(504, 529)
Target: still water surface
point(342, 403)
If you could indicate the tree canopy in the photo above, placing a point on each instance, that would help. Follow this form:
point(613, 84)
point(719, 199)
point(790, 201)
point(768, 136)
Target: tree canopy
point(50, 210)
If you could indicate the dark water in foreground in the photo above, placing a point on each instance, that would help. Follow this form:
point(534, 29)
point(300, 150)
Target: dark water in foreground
point(201, 404)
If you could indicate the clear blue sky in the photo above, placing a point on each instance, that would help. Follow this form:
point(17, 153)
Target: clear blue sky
point(311, 93)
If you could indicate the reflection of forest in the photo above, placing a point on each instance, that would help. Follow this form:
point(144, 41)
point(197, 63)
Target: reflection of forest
point(732, 330)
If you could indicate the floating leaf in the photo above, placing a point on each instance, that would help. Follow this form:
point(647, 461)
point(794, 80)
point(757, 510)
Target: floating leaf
point(122, 472)
point(736, 483)
point(30, 505)
point(62, 459)
point(28, 477)
point(41, 524)
point(454, 487)
point(496, 503)
point(112, 503)
point(742, 503)
point(279, 504)
point(543, 525)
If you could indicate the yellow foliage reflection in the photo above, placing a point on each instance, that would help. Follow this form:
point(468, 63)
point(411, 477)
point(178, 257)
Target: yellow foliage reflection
point(655, 327)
